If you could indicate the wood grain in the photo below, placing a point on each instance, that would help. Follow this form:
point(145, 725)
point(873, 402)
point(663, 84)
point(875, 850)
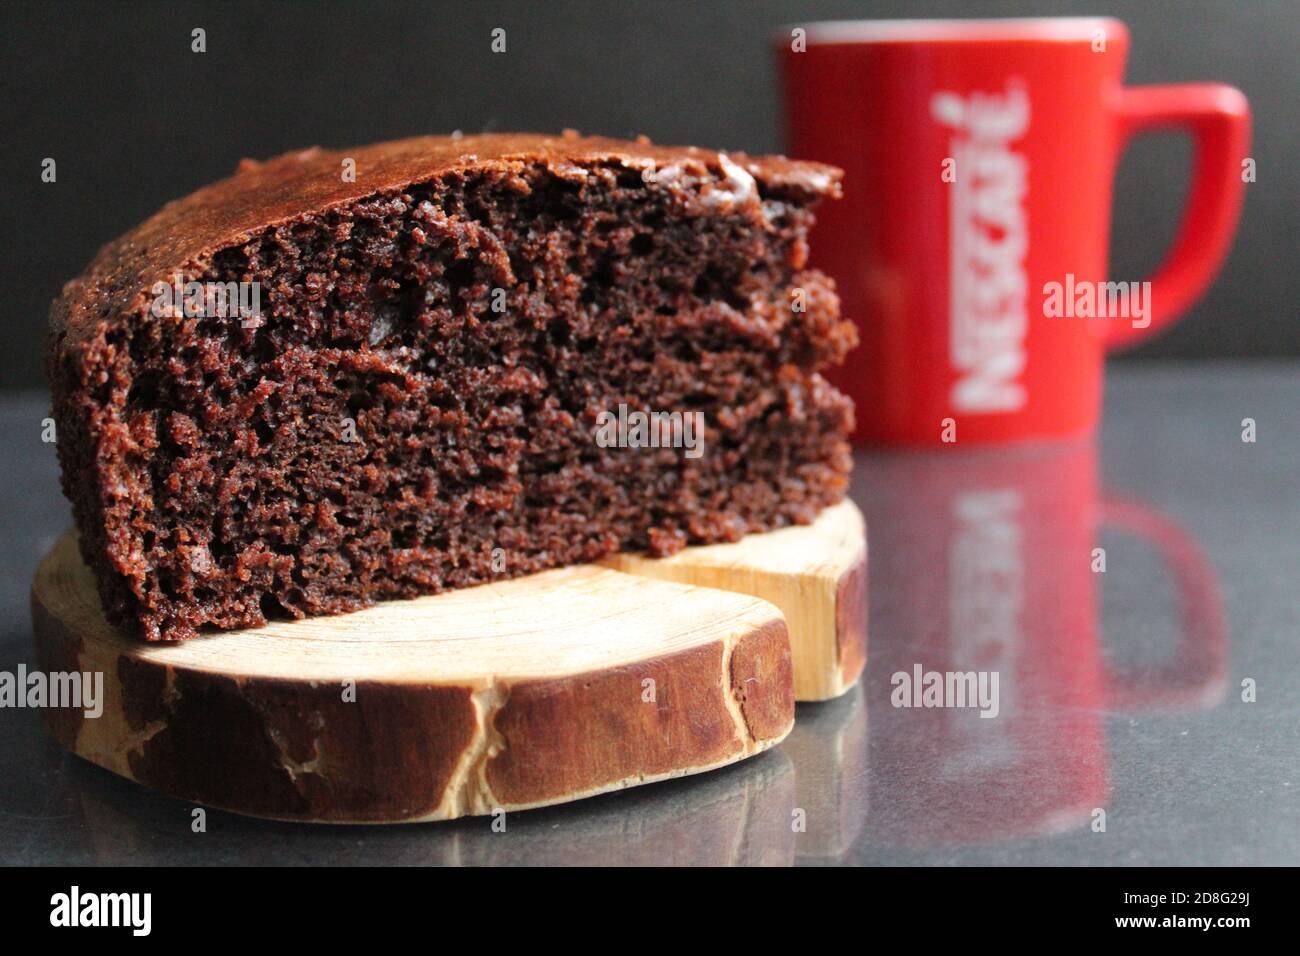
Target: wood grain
point(520, 694)
point(816, 575)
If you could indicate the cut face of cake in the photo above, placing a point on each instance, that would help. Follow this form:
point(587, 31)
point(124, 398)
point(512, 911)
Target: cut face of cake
point(342, 377)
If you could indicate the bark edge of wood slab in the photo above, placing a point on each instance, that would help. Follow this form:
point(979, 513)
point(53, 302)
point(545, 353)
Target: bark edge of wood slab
point(816, 574)
point(506, 696)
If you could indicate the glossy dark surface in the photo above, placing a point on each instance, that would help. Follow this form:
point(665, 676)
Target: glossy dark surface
point(1118, 691)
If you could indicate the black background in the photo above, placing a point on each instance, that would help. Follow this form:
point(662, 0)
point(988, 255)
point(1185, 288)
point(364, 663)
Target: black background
point(236, 906)
point(134, 118)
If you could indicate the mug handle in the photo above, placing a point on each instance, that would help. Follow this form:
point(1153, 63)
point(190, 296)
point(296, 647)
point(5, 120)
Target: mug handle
point(1197, 675)
point(1217, 117)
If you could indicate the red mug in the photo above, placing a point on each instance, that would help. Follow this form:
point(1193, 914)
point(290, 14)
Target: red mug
point(970, 245)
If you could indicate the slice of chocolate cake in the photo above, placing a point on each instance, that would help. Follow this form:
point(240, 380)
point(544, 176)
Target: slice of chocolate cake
point(340, 377)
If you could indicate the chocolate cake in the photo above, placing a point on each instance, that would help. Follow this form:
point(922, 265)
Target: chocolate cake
point(432, 333)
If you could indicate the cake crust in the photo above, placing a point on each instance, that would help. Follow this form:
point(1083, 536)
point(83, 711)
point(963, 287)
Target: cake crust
point(278, 190)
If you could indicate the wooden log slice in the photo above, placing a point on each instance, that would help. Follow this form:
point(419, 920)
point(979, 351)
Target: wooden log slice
point(816, 574)
point(529, 692)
